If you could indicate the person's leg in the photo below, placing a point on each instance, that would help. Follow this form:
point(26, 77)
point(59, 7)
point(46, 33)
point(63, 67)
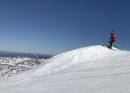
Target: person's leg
point(110, 46)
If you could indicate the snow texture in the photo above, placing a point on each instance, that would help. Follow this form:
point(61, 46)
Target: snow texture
point(94, 69)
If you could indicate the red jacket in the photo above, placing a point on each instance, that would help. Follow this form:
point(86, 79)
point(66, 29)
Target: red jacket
point(113, 36)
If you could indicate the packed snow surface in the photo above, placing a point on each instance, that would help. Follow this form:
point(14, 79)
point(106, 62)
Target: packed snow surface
point(94, 69)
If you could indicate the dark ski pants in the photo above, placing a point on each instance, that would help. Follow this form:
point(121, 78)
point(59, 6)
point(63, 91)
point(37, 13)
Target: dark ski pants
point(111, 43)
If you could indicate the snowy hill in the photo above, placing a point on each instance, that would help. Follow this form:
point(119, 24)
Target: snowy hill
point(94, 69)
point(78, 56)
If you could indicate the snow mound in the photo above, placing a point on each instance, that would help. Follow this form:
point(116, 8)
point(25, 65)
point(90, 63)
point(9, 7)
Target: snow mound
point(81, 55)
point(94, 69)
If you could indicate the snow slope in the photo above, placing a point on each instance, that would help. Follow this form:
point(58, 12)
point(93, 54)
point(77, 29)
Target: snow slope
point(82, 55)
point(93, 69)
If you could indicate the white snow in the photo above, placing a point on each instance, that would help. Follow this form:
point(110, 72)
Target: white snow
point(78, 56)
point(94, 69)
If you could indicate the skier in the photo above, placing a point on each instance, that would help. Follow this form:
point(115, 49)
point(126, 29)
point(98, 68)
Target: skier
point(113, 38)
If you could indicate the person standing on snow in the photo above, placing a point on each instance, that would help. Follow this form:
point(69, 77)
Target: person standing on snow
point(113, 39)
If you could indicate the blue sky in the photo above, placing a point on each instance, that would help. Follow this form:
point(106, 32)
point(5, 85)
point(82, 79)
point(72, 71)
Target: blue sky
point(55, 26)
